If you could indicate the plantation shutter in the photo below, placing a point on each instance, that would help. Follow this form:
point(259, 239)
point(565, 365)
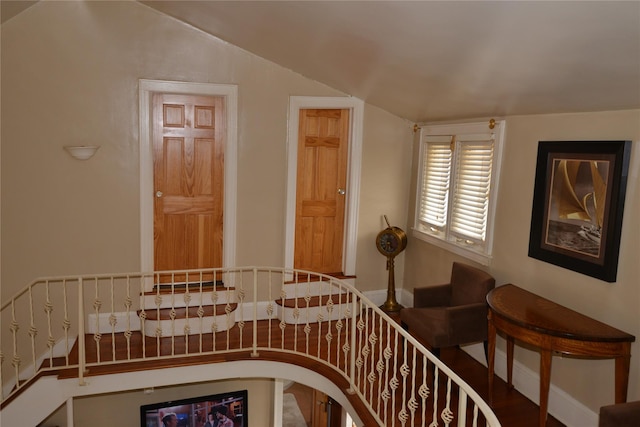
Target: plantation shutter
point(470, 202)
point(436, 178)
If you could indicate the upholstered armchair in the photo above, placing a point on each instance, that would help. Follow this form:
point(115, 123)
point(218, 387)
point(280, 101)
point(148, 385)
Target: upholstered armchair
point(620, 415)
point(451, 314)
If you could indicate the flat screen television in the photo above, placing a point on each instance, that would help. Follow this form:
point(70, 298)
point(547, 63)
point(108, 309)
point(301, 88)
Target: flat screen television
point(194, 412)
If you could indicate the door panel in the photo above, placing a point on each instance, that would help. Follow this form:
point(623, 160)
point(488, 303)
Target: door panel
point(188, 181)
point(319, 417)
point(321, 182)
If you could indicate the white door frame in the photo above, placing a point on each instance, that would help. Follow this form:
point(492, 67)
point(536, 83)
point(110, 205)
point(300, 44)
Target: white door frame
point(356, 107)
point(230, 92)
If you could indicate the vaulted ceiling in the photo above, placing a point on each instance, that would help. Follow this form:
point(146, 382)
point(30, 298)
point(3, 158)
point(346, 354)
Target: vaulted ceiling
point(440, 60)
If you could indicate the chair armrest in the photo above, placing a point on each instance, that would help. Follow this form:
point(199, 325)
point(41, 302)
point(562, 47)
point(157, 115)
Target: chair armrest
point(432, 296)
point(468, 323)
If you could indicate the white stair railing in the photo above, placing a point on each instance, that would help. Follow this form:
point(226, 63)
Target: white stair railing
point(139, 317)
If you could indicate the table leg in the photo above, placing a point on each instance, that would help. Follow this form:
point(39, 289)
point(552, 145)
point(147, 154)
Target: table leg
point(622, 377)
point(545, 380)
point(510, 344)
point(491, 356)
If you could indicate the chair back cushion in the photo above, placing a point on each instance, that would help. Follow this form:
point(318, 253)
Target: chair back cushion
point(469, 285)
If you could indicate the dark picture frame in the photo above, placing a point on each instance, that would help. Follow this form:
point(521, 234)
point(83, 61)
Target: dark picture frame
point(578, 204)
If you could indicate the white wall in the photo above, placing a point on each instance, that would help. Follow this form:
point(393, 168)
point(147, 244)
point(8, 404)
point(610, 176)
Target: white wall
point(70, 72)
point(101, 394)
point(123, 408)
point(590, 382)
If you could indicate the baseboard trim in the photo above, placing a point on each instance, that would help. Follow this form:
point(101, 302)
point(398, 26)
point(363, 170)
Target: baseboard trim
point(404, 297)
point(562, 406)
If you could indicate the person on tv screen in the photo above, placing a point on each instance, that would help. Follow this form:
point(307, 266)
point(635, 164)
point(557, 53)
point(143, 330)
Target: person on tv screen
point(211, 420)
point(220, 412)
point(170, 420)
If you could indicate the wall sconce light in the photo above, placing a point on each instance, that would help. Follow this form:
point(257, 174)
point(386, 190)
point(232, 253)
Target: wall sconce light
point(81, 152)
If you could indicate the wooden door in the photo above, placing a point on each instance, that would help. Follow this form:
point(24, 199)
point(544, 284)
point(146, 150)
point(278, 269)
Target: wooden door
point(321, 189)
point(319, 416)
point(188, 146)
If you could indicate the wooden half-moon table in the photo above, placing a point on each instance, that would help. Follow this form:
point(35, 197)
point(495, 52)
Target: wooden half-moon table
point(526, 317)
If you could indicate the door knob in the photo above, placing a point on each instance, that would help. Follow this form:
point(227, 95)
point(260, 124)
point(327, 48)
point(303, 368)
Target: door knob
point(158, 193)
point(341, 191)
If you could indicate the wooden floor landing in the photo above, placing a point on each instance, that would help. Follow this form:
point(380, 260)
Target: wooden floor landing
point(511, 407)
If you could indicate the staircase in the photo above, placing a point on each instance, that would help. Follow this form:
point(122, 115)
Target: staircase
point(309, 298)
point(196, 308)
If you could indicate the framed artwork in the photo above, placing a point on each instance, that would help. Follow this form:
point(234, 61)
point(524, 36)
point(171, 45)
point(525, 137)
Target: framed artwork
point(578, 202)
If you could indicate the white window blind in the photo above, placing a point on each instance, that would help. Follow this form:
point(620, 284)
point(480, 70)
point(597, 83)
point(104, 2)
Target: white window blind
point(435, 183)
point(455, 195)
point(474, 158)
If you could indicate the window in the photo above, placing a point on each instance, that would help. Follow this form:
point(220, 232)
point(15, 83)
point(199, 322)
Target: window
point(457, 187)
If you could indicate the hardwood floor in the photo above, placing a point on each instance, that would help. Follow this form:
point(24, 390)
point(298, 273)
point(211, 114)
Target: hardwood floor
point(511, 407)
